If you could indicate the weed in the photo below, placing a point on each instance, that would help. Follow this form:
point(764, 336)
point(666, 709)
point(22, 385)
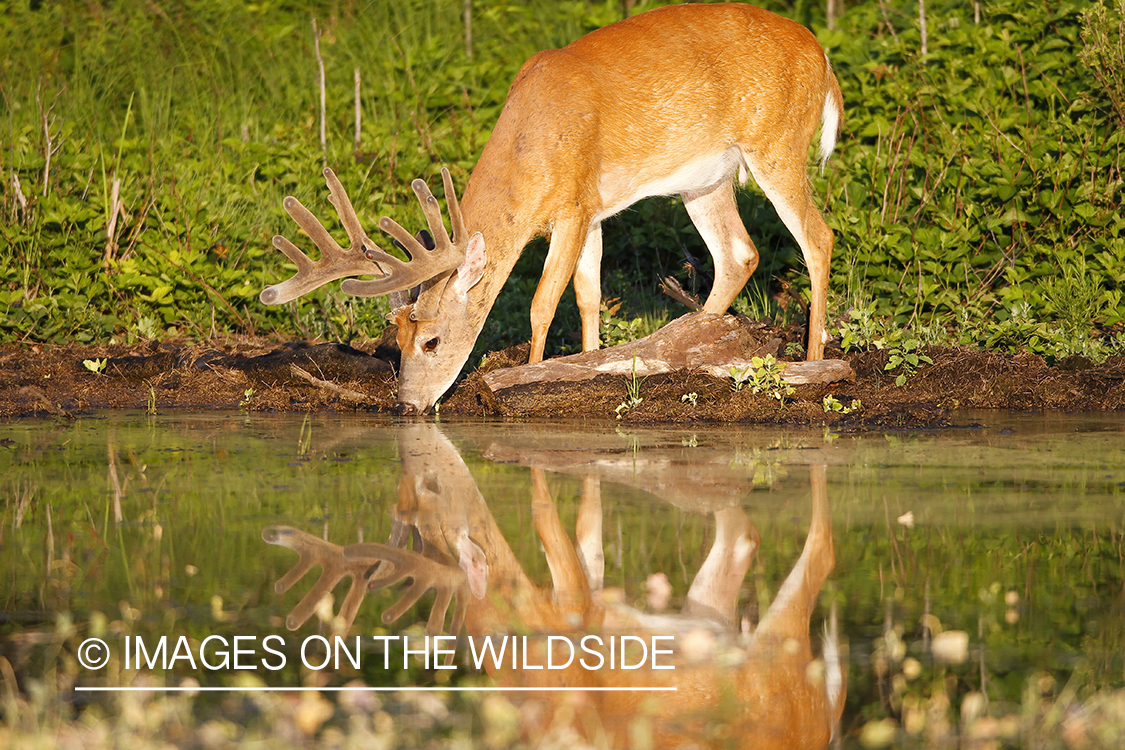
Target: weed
point(244, 402)
point(906, 358)
point(764, 375)
point(96, 366)
point(831, 403)
point(1074, 295)
point(863, 329)
point(690, 398)
point(304, 439)
point(150, 406)
point(632, 393)
point(617, 330)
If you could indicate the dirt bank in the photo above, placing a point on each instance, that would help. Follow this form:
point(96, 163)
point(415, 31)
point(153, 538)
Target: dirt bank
point(257, 375)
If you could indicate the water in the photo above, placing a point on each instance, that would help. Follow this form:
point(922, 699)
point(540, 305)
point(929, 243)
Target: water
point(978, 587)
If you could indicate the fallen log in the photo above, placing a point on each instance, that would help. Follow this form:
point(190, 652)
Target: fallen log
point(700, 341)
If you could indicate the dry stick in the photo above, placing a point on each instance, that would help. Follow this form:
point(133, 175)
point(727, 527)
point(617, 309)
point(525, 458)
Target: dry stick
point(467, 17)
point(887, 20)
point(358, 114)
point(21, 199)
point(111, 223)
point(922, 21)
point(320, 72)
point(50, 148)
point(118, 516)
point(50, 554)
point(671, 286)
point(339, 390)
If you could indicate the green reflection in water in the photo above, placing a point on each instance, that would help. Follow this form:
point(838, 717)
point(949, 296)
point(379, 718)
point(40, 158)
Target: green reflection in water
point(1011, 531)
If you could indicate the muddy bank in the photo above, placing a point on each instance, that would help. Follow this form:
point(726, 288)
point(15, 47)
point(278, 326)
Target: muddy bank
point(264, 375)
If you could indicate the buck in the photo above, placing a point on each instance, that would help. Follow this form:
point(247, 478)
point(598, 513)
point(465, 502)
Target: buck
point(761, 689)
point(680, 100)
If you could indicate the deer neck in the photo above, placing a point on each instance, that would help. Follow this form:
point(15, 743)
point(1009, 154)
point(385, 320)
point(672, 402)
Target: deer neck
point(506, 213)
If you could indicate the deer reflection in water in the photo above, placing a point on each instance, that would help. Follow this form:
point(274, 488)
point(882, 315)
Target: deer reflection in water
point(726, 688)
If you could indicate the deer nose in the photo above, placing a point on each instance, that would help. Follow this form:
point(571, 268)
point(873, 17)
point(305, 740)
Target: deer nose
point(404, 410)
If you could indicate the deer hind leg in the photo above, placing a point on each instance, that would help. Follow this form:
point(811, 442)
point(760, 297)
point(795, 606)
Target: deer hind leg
point(567, 241)
point(714, 590)
point(715, 215)
point(588, 286)
point(789, 613)
point(788, 189)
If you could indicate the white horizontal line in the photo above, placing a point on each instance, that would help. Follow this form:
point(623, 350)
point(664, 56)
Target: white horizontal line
point(344, 689)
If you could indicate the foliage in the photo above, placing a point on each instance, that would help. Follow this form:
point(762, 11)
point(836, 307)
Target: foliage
point(763, 376)
point(618, 330)
point(905, 359)
point(142, 168)
point(1103, 52)
point(831, 404)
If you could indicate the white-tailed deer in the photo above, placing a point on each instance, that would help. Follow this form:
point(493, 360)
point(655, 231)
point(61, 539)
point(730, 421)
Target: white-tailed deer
point(762, 689)
point(675, 101)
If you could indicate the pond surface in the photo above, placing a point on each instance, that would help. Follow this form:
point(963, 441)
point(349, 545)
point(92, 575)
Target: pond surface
point(977, 596)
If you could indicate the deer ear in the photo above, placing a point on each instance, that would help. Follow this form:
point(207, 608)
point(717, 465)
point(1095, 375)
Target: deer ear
point(472, 268)
point(472, 560)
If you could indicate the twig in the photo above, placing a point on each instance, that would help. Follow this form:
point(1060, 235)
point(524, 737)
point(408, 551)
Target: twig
point(339, 390)
point(672, 287)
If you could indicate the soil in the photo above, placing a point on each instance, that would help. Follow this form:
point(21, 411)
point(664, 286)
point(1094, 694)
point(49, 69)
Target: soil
point(294, 376)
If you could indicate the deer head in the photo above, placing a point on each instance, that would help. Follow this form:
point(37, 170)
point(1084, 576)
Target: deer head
point(434, 345)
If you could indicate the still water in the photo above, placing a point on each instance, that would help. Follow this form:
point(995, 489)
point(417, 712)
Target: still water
point(715, 587)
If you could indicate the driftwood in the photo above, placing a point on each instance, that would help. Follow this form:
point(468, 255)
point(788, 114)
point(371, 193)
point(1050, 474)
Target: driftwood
point(698, 341)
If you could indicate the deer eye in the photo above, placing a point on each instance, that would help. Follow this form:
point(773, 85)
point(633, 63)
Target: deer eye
point(431, 346)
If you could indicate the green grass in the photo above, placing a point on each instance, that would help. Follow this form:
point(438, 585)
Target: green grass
point(976, 191)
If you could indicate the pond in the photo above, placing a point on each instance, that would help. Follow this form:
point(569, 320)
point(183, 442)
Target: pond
point(226, 578)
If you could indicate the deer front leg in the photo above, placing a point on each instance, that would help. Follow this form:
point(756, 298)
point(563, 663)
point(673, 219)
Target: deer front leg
point(572, 589)
point(588, 287)
point(567, 239)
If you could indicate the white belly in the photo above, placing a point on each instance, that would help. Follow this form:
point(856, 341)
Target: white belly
point(622, 188)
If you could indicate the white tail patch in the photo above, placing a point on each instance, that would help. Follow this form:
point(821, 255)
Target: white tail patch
point(829, 124)
point(833, 667)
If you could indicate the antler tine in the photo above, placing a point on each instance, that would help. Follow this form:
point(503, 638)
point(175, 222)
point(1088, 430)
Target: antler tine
point(425, 265)
point(449, 581)
point(334, 567)
point(453, 206)
point(335, 262)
